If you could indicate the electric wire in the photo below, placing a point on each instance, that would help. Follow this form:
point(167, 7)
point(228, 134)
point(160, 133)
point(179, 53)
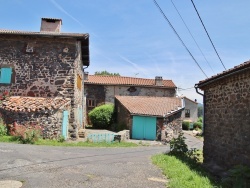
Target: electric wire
point(157, 5)
point(192, 36)
point(208, 34)
point(181, 89)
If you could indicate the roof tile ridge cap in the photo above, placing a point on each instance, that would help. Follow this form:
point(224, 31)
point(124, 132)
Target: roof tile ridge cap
point(20, 31)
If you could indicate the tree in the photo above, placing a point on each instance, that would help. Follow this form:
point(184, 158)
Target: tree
point(106, 73)
point(200, 111)
point(102, 116)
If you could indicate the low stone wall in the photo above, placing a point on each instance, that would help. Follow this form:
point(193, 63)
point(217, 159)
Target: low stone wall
point(50, 122)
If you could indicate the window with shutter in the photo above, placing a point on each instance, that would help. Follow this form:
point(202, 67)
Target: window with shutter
point(5, 75)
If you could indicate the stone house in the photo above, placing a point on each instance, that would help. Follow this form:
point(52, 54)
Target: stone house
point(43, 72)
point(148, 118)
point(227, 118)
point(103, 89)
point(190, 113)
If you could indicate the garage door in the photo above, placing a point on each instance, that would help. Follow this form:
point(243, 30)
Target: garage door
point(144, 128)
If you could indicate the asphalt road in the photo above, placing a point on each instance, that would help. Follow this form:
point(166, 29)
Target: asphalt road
point(47, 166)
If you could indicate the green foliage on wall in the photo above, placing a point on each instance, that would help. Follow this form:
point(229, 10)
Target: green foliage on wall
point(102, 116)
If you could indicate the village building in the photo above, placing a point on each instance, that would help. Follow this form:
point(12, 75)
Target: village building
point(227, 118)
point(190, 113)
point(43, 74)
point(103, 89)
point(149, 118)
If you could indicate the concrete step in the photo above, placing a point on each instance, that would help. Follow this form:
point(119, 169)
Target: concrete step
point(81, 133)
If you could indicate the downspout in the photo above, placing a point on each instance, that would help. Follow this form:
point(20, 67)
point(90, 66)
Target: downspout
point(83, 99)
point(203, 109)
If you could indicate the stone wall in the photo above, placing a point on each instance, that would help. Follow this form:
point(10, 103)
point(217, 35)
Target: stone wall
point(50, 121)
point(50, 69)
point(123, 117)
point(227, 122)
point(111, 91)
point(95, 92)
point(102, 94)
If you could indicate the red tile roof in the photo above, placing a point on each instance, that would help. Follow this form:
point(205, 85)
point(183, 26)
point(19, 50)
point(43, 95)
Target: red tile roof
point(32, 104)
point(150, 106)
point(241, 67)
point(122, 80)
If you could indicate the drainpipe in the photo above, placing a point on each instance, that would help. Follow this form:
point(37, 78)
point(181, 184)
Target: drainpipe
point(83, 100)
point(203, 109)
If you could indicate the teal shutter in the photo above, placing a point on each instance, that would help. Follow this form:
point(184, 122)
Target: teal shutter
point(65, 124)
point(5, 75)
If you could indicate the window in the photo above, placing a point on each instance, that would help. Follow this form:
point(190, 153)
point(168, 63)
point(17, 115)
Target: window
point(187, 113)
point(5, 75)
point(91, 103)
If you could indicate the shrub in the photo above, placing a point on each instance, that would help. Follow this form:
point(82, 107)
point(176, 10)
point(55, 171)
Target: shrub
point(102, 116)
point(200, 119)
point(3, 130)
point(61, 138)
point(178, 145)
point(198, 125)
point(26, 135)
point(185, 125)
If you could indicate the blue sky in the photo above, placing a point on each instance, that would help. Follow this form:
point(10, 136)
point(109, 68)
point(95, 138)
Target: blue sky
point(132, 38)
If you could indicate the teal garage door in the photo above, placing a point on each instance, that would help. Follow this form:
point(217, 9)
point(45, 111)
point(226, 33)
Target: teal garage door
point(144, 128)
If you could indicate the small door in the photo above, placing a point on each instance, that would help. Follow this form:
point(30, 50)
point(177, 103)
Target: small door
point(144, 128)
point(65, 124)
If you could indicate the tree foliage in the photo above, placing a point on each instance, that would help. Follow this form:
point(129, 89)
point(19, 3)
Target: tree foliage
point(106, 73)
point(200, 111)
point(102, 116)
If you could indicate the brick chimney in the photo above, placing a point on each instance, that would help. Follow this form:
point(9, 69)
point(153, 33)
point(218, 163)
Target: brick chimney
point(51, 25)
point(86, 75)
point(158, 81)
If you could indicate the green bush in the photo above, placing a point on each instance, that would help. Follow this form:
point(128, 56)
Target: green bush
point(102, 116)
point(200, 119)
point(185, 125)
point(178, 145)
point(3, 130)
point(198, 125)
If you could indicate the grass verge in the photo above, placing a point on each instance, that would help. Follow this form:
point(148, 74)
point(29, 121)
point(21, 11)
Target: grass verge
point(48, 142)
point(8, 139)
point(183, 172)
point(84, 144)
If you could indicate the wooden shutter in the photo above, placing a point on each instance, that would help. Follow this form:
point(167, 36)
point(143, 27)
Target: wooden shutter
point(79, 82)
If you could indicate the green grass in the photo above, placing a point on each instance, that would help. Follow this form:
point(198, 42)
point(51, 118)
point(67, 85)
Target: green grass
point(84, 144)
point(48, 142)
point(8, 139)
point(183, 173)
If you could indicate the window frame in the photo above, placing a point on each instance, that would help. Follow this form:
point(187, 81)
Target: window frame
point(91, 102)
point(187, 113)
